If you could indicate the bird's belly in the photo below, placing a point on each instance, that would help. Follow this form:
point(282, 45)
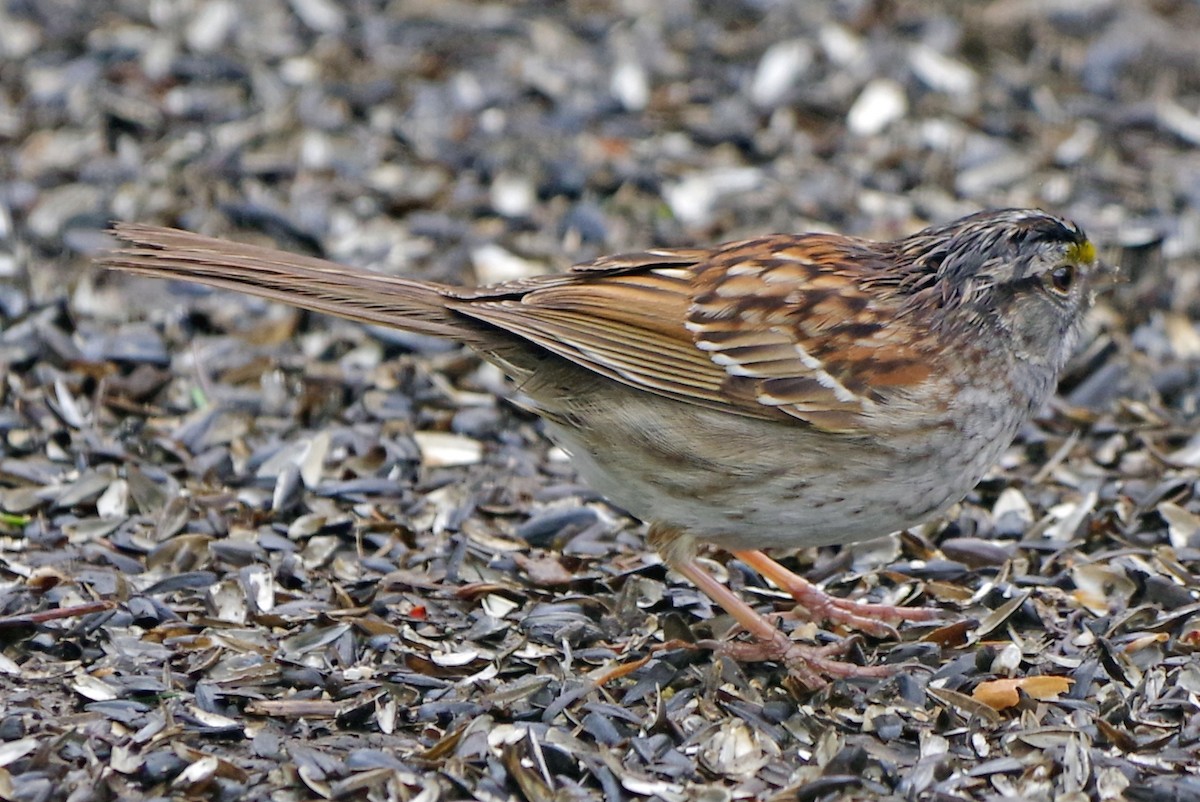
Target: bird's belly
point(742, 483)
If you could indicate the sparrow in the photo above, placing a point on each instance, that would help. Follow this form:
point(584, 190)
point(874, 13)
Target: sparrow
point(784, 391)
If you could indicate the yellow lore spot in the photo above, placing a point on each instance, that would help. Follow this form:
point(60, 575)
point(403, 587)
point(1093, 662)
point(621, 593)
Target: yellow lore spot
point(1082, 253)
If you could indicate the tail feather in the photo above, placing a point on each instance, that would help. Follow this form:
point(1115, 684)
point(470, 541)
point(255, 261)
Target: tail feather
point(306, 282)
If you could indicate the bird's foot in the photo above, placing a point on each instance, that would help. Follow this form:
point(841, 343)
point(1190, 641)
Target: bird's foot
point(809, 665)
point(866, 617)
point(819, 606)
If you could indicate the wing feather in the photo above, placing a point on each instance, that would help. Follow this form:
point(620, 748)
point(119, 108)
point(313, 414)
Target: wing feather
point(803, 328)
point(776, 328)
point(628, 328)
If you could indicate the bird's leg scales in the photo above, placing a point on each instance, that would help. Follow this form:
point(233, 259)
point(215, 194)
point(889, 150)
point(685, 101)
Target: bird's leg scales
point(809, 664)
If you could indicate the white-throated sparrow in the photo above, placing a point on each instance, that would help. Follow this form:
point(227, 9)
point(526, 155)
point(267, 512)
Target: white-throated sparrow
point(784, 391)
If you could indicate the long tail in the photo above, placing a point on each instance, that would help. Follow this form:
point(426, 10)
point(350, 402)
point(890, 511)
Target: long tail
point(302, 281)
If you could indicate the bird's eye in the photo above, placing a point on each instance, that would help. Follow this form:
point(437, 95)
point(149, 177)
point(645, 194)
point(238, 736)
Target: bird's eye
point(1060, 279)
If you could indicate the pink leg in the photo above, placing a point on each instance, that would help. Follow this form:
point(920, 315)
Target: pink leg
point(809, 664)
point(820, 606)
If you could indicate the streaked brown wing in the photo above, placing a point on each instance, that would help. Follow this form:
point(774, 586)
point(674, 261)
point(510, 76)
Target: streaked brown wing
point(795, 324)
point(628, 327)
point(773, 328)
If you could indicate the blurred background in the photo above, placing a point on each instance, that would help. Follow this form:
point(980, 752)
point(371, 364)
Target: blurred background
point(409, 134)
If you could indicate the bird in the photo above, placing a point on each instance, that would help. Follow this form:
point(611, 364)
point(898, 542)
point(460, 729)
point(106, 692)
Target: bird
point(782, 391)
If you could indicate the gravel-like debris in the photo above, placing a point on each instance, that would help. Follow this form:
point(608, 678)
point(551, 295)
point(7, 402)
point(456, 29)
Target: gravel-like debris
point(252, 553)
